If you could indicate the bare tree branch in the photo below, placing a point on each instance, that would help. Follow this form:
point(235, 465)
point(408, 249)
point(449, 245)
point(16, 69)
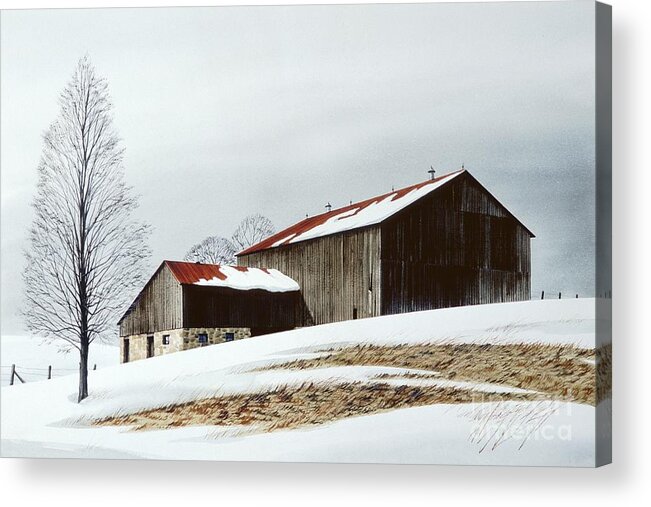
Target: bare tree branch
point(87, 255)
point(252, 230)
point(212, 250)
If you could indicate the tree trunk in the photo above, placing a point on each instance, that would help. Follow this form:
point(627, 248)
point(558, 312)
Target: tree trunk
point(86, 254)
point(83, 369)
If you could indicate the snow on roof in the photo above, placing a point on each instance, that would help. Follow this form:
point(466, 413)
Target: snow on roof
point(234, 277)
point(361, 214)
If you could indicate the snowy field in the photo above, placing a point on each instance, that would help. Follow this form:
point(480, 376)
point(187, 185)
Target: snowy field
point(32, 357)
point(43, 419)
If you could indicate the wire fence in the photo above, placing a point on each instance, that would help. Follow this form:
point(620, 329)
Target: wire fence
point(13, 374)
point(565, 295)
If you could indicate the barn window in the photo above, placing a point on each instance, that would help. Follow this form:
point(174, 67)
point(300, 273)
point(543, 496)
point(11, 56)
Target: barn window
point(229, 337)
point(166, 339)
point(203, 339)
point(354, 313)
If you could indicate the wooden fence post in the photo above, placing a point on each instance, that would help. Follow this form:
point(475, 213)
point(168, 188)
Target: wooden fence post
point(13, 374)
point(542, 296)
point(49, 372)
point(95, 366)
point(17, 375)
point(577, 296)
point(559, 295)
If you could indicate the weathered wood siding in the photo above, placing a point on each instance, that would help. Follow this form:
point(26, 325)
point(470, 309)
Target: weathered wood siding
point(158, 307)
point(457, 246)
point(259, 310)
point(338, 274)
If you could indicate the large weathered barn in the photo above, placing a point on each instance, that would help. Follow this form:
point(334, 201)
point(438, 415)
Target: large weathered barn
point(186, 305)
point(444, 242)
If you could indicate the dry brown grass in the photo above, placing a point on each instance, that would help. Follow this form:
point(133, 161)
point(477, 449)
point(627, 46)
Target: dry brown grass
point(409, 375)
point(559, 371)
point(604, 365)
point(305, 405)
point(551, 372)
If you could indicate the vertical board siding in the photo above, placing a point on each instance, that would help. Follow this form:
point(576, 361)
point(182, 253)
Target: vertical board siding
point(225, 307)
point(457, 246)
point(158, 307)
point(337, 273)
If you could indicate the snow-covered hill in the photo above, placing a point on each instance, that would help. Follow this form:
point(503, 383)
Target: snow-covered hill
point(42, 419)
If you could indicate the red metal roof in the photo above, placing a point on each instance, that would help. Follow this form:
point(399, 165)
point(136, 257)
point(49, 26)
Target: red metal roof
point(287, 235)
point(192, 272)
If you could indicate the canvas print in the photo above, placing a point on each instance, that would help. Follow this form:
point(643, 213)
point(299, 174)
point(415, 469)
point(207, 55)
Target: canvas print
point(344, 234)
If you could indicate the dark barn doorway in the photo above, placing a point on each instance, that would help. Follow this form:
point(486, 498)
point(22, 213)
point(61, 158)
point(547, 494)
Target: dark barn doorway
point(150, 346)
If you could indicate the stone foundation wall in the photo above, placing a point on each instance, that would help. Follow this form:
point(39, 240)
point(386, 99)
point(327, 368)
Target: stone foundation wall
point(138, 344)
point(179, 339)
point(215, 335)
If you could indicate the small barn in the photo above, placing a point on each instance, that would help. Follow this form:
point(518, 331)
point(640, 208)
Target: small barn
point(444, 242)
point(186, 305)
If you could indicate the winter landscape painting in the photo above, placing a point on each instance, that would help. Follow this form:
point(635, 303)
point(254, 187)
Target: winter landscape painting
point(345, 233)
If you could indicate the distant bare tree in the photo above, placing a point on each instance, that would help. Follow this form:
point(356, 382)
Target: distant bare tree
point(252, 230)
point(212, 250)
point(86, 254)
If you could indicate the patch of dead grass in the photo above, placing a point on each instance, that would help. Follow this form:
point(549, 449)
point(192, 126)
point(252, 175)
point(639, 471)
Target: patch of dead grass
point(553, 372)
point(604, 368)
point(560, 371)
point(305, 405)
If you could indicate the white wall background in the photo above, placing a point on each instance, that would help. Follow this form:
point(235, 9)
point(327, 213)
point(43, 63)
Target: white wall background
point(110, 483)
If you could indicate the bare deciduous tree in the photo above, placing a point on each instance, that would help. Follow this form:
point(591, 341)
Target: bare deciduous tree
point(252, 230)
point(86, 254)
point(212, 250)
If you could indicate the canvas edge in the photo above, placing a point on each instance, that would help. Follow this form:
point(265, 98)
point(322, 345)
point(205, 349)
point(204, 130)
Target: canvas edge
point(603, 214)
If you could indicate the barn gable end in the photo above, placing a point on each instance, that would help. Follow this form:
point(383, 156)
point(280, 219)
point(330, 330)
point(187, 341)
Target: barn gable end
point(158, 306)
point(457, 246)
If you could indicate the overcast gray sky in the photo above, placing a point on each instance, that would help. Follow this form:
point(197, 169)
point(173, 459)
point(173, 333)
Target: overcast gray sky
point(277, 110)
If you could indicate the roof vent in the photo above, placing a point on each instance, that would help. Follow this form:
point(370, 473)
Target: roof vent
point(431, 172)
point(328, 207)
